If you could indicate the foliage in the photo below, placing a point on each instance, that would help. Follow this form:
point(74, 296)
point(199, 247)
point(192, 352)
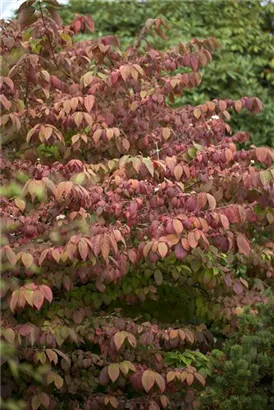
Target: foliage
point(125, 221)
point(243, 66)
point(243, 374)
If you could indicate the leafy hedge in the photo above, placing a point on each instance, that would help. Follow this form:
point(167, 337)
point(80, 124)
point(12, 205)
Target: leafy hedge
point(132, 231)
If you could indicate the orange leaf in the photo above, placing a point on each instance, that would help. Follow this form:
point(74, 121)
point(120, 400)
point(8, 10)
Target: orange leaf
point(178, 226)
point(113, 372)
point(105, 247)
point(27, 259)
point(166, 133)
point(178, 172)
point(89, 102)
point(148, 380)
point(162, 249)
point(160, 381)
point(46, 292)
point(119, 339)
point(189, 379)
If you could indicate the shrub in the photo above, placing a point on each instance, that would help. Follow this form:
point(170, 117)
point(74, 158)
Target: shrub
point(126, 222)
point(243, 374)
point(243, 66)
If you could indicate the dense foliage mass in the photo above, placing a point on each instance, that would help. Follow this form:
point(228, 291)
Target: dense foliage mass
point(133, 233)
point(243, 66)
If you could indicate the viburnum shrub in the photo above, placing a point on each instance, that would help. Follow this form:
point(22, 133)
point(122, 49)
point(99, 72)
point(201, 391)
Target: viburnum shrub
point(132, 232)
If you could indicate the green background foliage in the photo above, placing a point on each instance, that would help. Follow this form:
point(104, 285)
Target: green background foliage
point(243, 66)
point(243, 372)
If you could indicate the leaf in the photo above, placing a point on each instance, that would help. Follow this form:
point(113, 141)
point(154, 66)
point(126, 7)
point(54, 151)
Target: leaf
point(44, 398)
point(89, 102)
point(238, 105)
point(14, 300)
point(105, 247)
point(160, 382)
point(38, 299)
point(52, 356)
point(178, 226)
point(189, 379)
point(197, 113)
point(26, 17)
point(149, 165)
point(58, 381)
point(27, 259)
point(238, 287)
point(35, 402)
point(211, 201)
point(193, 243)
point(170, 376)
point(83, 249)
point(178, 172)
point(243, 244)
point(46, 292)
point(20, 203)
point(113, 372)
point(166, 133)
point(11, 256)
point(119, 339)
point(200, 378)
point(132, 340)
point(9, 335)
point(162, 249)
point(158, 276)
point(148, 380)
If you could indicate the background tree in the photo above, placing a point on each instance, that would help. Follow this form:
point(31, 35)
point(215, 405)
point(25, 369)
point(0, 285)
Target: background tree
point(244, 64)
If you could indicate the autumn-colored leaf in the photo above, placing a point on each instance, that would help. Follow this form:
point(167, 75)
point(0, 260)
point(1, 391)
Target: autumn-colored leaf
point(166, 133)
point(9, 335)
point(243, 244)
point(38, 299)
point(162, 249)
point(20, 203)
point(148, 380)
point(27, 260)
point(113, 372)
point(46, 292)
point(35, 402)
point(178, 226)
point(119, 339)
point(160, 382)
point(89, 102)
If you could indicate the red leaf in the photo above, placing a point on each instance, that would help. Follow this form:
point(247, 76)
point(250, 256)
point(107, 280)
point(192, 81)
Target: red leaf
point(238, 287)
point(243, 245)
point(105, 247)
point(38, 299)
point(46, 292)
